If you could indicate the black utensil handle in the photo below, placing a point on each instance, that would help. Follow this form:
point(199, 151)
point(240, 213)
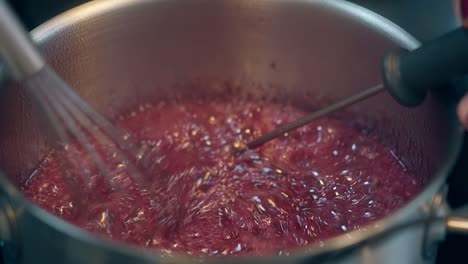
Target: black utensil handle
point(409, 75)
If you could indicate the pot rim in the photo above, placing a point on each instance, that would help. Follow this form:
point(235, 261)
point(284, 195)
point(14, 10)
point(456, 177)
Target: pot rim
point(50, 28)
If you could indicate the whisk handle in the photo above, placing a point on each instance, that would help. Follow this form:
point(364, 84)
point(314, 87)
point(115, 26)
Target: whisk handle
point(16, 46)
point(409, 75)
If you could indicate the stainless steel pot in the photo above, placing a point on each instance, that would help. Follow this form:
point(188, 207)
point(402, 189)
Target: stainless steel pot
point(424, 19)
point(118, 53)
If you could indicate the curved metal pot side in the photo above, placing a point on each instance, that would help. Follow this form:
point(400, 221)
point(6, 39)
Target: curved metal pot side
point(111, 50)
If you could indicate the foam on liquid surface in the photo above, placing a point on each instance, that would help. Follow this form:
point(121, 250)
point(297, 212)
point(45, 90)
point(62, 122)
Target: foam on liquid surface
point(207, 198)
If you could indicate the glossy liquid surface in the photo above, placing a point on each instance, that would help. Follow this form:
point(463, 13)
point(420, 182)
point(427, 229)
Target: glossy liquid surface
point(207, 197)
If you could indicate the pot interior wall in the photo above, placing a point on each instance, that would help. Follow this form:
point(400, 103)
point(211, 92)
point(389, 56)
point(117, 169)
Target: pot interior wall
point(303, 52)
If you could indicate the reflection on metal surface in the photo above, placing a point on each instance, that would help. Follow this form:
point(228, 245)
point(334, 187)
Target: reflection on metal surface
point(9, 239)
point(424, 19)
point(458, 225)
point(20, 55)
point(435, 231)
point(170, 41)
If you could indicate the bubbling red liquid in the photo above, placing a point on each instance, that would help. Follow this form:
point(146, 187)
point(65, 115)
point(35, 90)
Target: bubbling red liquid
point(206, 197)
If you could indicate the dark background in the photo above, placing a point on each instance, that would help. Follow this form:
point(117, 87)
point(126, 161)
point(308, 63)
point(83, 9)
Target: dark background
point(424, 19)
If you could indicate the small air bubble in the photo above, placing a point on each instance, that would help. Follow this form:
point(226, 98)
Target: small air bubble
point(212, 120)
point(256, 199)
point(271, 202)
point(255, 156)
point(334, 214)
point(261, 208)
point(343, 172)
point(238, 247)
point(198, 182)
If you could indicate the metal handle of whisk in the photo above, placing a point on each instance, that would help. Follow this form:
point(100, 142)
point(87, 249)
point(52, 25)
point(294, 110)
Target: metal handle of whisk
point(16, 46)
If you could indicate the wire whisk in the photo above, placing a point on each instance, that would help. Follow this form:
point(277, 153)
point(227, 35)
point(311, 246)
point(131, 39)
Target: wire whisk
point(72, 119)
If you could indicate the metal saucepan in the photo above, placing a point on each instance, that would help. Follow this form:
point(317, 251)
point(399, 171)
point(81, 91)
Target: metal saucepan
point(118, 53)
